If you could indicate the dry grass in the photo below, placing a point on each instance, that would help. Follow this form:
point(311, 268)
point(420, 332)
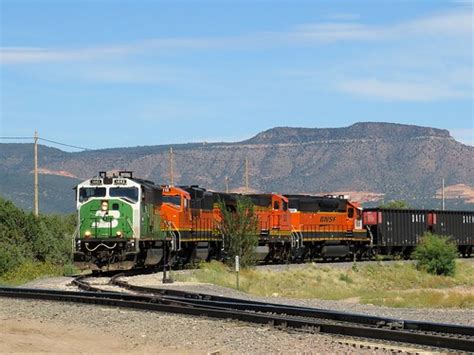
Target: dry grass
point(395, 285)
point(30, 270)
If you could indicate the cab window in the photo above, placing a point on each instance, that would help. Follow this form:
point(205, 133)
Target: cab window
point(276, 205)
point(127, 193)
point(350, 212)
point(87, 192)
point(285, 206)
point(172, 199)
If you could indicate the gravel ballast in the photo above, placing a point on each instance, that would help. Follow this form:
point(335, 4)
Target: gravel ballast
point(454, 316)
point(141, 331)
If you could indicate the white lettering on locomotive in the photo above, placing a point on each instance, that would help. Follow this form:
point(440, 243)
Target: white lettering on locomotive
point(103, 222)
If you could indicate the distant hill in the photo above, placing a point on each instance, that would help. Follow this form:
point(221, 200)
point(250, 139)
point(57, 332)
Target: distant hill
point(373, 162)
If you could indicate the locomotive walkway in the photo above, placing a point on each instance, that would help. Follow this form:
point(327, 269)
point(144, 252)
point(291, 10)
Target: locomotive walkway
point(453, 337)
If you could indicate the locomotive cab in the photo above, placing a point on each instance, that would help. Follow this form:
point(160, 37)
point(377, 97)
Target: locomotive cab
point(175, 208)
point(272, 212)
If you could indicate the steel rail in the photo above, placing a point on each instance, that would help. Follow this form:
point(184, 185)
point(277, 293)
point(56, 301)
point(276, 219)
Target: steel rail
point(236, 303)
point(113, 299)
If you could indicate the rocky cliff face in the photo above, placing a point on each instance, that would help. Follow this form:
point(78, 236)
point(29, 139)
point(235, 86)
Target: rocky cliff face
point(372, 160)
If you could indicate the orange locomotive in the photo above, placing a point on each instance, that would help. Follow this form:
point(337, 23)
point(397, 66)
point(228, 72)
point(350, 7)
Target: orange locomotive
point(290, 227)
point(190, 215)
point(327, 227)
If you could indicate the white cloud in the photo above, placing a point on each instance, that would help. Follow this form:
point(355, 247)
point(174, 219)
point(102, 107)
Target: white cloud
point(9, 55)
point(447, 24)
point(37, 55)
point(332, 32)
point(399, 91)
point(453, 23)
point(128, 74)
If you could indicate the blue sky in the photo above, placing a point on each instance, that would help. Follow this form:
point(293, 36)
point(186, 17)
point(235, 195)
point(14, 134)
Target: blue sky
point(125, 73)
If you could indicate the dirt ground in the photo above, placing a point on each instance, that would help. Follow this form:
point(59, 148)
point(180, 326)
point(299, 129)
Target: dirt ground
point(33, 336)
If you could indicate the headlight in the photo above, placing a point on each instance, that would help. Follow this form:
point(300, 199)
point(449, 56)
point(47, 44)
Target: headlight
point(104, 206)
point(87, 234)
point(119, 234)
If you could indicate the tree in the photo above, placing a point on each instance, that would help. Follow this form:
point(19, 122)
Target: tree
point(240, 232)
point(436, 254)
point(25, 237)
point(395, 204)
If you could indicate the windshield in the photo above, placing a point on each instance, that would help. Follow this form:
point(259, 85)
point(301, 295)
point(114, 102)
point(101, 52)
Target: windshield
point(128, 193)
point(87, 192)
point(175, 200)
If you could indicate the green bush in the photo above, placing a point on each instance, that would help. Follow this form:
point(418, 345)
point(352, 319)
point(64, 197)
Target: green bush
point(29, 240)
point(239, 228)
point(436, 254)
point(396, 204)
point(30, 270)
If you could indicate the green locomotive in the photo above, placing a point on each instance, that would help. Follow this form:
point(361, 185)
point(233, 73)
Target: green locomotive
point(118, 223)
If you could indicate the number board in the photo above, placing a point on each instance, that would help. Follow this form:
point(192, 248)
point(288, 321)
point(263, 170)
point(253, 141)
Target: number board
point(120, 181)
point(96, 182)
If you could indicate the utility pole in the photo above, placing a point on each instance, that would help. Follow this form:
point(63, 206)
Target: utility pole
point(246, 175)
point(171, 167)
point(226, 184)
point(36, 174)
point(442, 194)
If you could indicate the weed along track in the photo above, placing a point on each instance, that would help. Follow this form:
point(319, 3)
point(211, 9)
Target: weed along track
point(455, 337)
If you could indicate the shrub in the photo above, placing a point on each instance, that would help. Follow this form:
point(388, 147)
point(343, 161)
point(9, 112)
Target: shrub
point(436, 254)
point(27, 238)
point(239, 228)
point(30, 270)
point(396, 204)
point(11, 257)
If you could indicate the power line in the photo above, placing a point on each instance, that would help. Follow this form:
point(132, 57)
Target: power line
point(48, 140)
point(64, 144)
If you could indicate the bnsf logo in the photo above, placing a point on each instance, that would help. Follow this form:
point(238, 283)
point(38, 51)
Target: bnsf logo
point(327, 219)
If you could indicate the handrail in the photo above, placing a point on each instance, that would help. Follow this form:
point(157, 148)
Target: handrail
point(75, 235)
point(130, 225)
point(299, 235)
point(179, 236)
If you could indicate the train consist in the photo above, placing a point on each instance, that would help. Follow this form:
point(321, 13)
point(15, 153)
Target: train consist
point(125, 222)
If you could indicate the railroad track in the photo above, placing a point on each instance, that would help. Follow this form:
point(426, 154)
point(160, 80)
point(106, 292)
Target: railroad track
point(448, 336)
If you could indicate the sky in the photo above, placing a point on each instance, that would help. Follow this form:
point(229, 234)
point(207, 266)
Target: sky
point(102, 74)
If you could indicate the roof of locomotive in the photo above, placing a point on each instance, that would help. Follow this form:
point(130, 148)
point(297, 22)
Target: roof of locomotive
point(315, 197)
point(311, 203)
point(106, 180)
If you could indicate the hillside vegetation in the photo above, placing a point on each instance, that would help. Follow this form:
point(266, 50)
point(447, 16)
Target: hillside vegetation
point(392, 161)
point(33, 246)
